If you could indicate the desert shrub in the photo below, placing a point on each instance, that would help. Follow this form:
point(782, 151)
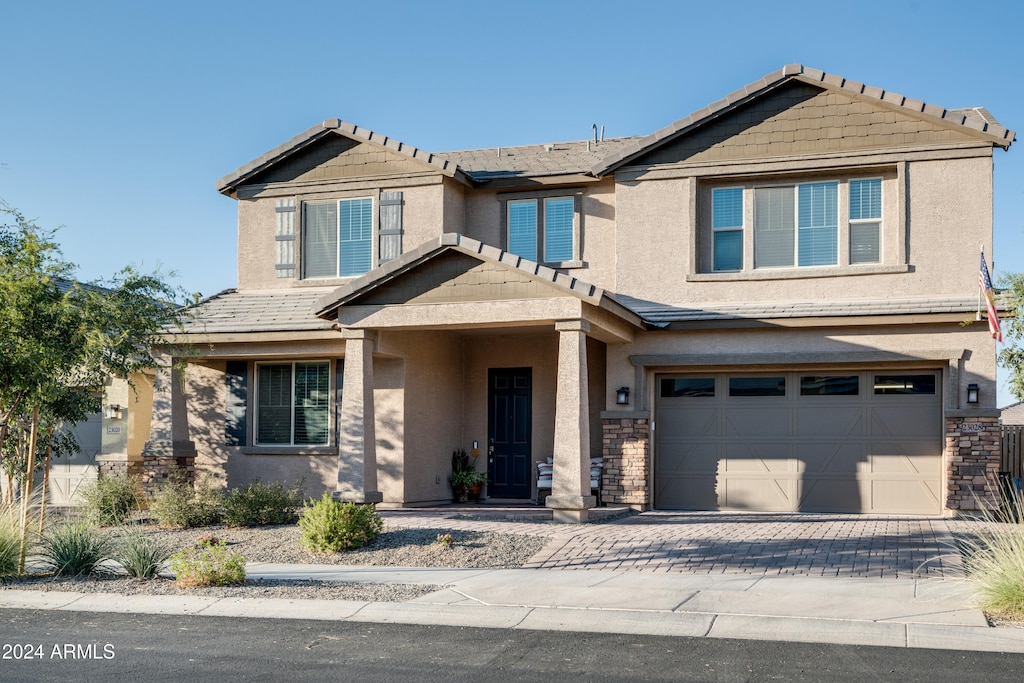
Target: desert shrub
point(208, 565)
point(181, 504)
point(109, 501)
point(10, 540)
point(140, 555)
point(329, 526)
point(259, 504)
point(75, 548)
point(995, 557)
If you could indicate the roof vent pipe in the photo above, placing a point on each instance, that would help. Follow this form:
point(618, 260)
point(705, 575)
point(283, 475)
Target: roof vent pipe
point(602, 132)
point(595, 132)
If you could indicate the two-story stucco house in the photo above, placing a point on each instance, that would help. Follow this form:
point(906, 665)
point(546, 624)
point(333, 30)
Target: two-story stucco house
point(758, 307)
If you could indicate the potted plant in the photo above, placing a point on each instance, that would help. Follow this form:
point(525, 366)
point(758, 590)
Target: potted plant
point(464, 477)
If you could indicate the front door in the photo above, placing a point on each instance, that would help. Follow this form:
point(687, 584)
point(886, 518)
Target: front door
point(508, 432)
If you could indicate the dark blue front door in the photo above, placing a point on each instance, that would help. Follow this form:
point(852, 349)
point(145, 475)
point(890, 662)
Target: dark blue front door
point(508, 431)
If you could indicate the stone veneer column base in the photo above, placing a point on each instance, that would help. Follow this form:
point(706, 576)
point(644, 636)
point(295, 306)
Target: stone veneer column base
point(161, 458)
point(626, 452)
point(972, 463)
point(119, 465)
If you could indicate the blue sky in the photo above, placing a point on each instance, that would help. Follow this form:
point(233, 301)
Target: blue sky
point(118, 117)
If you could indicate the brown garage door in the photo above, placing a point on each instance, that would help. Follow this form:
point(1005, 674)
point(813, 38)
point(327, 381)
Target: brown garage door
point(809, 441)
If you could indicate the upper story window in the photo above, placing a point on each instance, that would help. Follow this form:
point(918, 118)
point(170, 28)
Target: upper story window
point(337, 238)
point(543, 229)
point(818, 224)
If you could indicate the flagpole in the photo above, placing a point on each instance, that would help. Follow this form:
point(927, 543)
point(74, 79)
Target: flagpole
point(978, 314)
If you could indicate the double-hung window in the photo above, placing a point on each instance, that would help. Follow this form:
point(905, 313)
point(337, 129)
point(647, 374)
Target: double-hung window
point(337, 238)
point(292, 403)
point(727, 224)
point(819, 224)
point(796, 225)
point(543, 230)
point(865, 220)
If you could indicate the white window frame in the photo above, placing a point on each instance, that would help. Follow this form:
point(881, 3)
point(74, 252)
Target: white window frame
point(256, 407)
point(374, 232)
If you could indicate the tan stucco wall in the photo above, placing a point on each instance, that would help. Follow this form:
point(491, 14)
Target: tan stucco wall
point(140, 413)
point(423, 212)
point(949, 214)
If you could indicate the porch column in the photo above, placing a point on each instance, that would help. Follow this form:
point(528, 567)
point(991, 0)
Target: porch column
point(570, 498)
point(357, 443)
point(169, 446)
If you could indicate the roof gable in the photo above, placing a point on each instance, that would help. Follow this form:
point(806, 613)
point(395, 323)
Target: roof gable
point(303, 154)
point(973, 123)
point(457, 268)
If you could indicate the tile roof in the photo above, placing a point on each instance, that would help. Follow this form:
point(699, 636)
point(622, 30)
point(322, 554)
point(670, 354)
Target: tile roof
point(332, 127)
point(260, 310)
point(458, 242)
point(976, 121)
point(658, 314)
point(535, 160)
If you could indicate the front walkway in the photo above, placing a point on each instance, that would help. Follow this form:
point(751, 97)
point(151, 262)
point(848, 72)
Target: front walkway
point(763, 544)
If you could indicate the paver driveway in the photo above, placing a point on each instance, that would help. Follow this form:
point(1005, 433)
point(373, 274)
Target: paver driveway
point(766, 544)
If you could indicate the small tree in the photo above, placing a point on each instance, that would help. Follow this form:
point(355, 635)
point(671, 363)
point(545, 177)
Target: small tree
point(1011, 356)
point(60, 340)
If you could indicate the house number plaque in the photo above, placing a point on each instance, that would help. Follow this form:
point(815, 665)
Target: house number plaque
point(971, 428)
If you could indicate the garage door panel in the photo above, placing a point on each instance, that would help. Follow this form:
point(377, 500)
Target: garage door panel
point(689, 457)
point(905, 497)
point(921, 464)
point(831, 457)
point(807, 449)
point(905, 421)
point(687, 493)
point(846, 420)
point(681, 422)
point(837, 494)
point(759, 494)
point(751, 421)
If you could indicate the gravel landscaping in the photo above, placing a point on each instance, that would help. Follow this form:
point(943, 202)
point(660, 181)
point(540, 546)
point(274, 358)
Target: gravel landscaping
point(395, 547)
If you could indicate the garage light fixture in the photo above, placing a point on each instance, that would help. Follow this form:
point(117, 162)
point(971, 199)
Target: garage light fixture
point(972, 393)
point(112, 411)
point(622, 396)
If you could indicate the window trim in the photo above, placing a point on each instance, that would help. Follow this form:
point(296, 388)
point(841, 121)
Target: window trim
point(540, 200)
point(891, 230)
point(374, 236)
point(255, 405)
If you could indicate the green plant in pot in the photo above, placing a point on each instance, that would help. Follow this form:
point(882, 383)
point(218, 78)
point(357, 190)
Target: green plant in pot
point(464, 476)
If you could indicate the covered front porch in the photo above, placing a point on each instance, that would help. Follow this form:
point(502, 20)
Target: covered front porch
point(475, 348)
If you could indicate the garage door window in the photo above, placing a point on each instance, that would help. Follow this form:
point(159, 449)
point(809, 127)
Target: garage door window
point(688, 387)
point(905, 384)
point(757, 386)
point(830, 386)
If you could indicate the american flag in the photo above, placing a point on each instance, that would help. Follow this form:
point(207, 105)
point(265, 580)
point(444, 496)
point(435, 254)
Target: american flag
point(985, 282)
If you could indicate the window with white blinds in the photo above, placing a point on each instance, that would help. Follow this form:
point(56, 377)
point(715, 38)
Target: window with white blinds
point(543, 230)
point(293, 403)
point(796, 226)
point(337, 238)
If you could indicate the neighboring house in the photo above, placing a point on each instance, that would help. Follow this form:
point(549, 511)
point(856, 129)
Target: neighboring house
point(758, 307)
point(1012, 414)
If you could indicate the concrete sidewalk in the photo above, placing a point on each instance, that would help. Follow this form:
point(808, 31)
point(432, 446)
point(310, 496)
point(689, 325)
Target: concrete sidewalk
point(925, 613)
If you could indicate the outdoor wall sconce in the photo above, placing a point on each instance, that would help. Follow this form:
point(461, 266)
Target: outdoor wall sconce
point(112, 411)
point(972, 393)
point(622, 396)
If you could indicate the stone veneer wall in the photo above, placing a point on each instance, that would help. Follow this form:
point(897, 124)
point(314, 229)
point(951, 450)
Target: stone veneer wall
point(626, 449)
point(157, 471)
point(972, 462)
point(118, 465)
